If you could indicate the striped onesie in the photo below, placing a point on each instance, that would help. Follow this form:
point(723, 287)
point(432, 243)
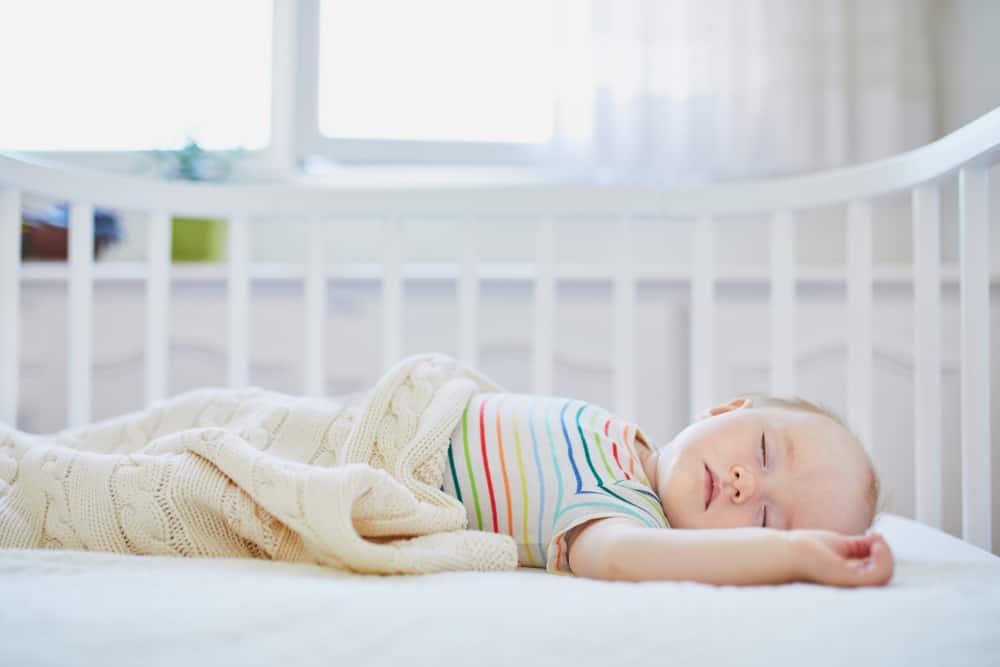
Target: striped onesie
point(533, 467)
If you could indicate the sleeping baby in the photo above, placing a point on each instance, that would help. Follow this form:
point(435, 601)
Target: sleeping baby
point(438, 468)
point(761, 490)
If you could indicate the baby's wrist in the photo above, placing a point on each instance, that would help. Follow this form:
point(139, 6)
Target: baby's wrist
point(792, 554)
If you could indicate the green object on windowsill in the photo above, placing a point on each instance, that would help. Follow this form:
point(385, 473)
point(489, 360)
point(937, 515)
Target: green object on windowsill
point(197, 239)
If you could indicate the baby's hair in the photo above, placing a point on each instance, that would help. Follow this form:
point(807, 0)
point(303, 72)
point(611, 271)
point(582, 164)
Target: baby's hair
point(877, 500)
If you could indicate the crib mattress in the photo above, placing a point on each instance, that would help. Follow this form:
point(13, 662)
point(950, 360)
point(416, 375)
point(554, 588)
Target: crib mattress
point(82, 608)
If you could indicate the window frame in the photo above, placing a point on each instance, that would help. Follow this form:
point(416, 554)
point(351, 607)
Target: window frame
point(295, 137)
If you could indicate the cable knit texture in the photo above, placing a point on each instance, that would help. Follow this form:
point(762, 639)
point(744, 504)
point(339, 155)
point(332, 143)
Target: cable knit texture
point(351, 483)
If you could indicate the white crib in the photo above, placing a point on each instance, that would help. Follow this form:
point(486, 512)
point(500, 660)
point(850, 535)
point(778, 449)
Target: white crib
point(966, 154)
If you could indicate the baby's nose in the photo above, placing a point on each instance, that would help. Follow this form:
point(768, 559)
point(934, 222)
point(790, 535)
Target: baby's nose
point(741, 484)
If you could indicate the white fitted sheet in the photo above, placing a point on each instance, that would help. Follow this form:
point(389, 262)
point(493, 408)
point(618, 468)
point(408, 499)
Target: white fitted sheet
point(83, 608)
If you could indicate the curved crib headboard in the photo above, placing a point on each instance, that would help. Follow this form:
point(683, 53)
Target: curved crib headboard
point(969, 151)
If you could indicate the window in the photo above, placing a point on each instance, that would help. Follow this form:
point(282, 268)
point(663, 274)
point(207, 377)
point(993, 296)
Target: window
point(125, 75)
point(433, 81)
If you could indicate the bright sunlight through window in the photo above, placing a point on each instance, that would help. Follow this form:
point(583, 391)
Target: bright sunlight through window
point(127, 75)
point(439, 70)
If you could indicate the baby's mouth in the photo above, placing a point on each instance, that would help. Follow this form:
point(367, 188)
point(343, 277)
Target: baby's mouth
point(709, 486)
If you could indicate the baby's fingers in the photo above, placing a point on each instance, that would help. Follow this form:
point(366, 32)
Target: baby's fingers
point(874, 568)
point(857, 547)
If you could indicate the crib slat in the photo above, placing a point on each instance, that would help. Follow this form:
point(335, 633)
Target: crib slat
point(315, 310)
point(157, 305)
point(81, 296)
point(974, 257)
point(10, 304)
point(392, 294)
point(859, 320)
point(927, 354)
point(238, 300)
point(782, 303)
point(702, 373)
point(624, 324)
point(468, 297)
point(544, 307)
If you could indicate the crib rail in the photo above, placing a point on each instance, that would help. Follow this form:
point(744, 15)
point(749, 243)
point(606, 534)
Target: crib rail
point(969, 152)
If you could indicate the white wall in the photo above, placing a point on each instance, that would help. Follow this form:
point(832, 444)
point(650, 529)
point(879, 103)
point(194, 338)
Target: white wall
point(967, 57)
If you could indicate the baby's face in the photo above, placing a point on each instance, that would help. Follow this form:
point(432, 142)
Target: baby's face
point(814, 474)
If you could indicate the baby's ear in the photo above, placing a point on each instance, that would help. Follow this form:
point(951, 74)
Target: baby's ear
point(735, 404)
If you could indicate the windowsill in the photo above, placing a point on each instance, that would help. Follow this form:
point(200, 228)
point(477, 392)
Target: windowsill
point(257, 168)
point(321, 172)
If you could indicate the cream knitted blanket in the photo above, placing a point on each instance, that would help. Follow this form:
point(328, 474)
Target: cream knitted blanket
point(350, 483)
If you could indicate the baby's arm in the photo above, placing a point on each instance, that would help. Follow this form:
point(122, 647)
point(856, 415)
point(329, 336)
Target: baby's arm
point(624, 550)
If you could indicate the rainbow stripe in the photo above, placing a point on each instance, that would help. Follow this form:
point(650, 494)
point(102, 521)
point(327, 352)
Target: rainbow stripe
point(547, 506)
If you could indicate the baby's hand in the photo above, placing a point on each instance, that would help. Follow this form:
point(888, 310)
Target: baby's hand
point(826, 557)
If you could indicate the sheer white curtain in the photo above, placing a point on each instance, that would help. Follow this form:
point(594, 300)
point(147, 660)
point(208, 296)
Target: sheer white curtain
point(688, 91)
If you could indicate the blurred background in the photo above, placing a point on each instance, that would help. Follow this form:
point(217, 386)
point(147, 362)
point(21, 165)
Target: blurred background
point(670, 92)
point(365, 92)
point(662, 91)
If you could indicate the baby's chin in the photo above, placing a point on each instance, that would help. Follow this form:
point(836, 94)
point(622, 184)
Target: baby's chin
point(682, 520)
point(681, 477)
point(677, 506)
